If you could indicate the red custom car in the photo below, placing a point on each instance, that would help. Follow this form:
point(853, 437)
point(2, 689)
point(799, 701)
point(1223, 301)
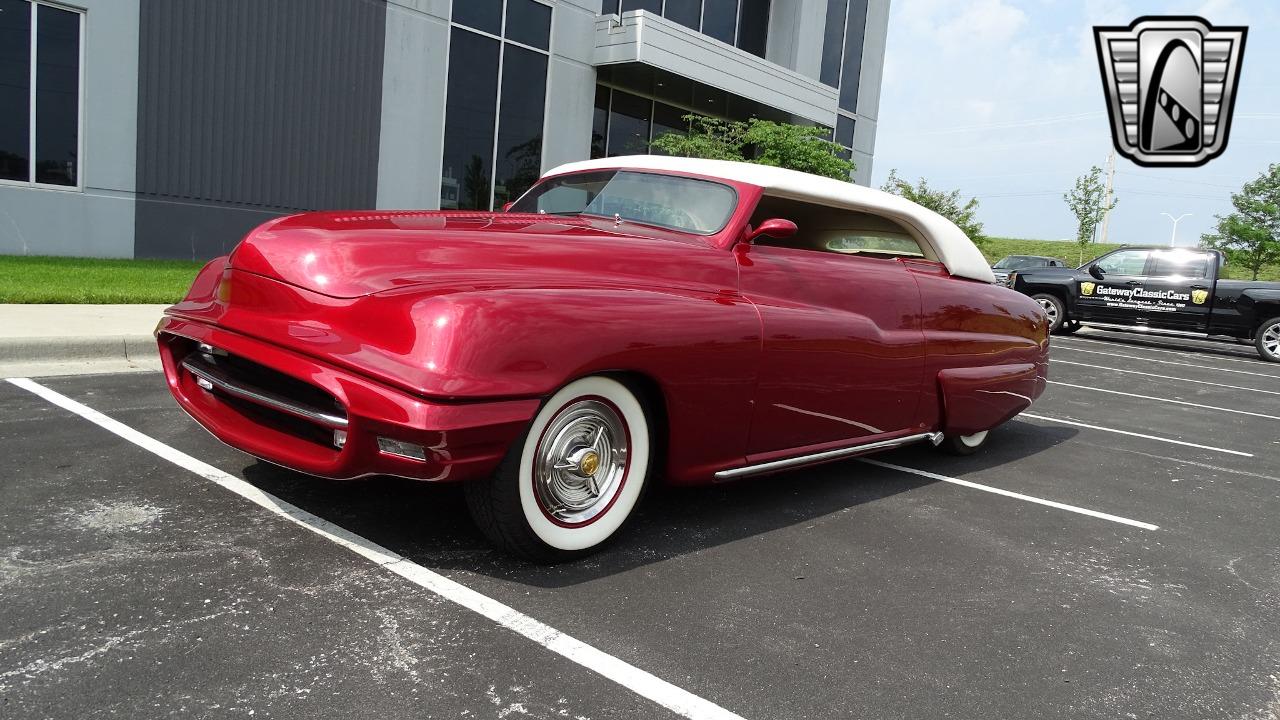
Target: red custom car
point(627, 319)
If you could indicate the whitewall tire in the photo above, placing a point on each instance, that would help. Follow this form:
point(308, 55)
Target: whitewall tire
point(965, 444)
point(574, 479)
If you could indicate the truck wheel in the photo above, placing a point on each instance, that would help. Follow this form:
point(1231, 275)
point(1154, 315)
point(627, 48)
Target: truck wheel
point(1053, 308)
point(573, 480)
point(1267, 340)
point(964, 444)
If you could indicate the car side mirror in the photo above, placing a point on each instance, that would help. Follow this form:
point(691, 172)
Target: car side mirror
point(1096, 272)
point(774, 228)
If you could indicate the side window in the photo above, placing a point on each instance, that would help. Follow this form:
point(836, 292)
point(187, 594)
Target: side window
point(870, 242)
point(1180, 264)
point(838, 231)
point(1124, 262)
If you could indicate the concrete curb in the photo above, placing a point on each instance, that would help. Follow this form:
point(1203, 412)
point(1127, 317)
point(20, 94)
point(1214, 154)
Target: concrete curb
point(127, 348)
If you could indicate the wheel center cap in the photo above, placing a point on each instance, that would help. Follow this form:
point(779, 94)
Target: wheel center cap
point(589, 463)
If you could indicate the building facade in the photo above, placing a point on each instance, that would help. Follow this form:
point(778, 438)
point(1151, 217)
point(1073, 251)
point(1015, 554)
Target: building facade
point(169, 128)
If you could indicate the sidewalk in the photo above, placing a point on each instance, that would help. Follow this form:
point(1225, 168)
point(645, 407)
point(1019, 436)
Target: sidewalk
point(40, 340)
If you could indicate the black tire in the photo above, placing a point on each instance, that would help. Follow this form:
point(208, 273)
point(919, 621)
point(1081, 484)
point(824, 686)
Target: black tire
point(579, 513)
point(1053, 309)
point(1267, 340)
point(964, 444)
point(1069, 327)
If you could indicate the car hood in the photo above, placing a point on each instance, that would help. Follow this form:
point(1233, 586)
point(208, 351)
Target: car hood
point(347, 255)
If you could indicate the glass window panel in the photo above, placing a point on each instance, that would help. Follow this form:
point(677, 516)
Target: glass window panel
point(610, 7)
point(833, 42)
point(629, 124)
point(483, 15)
point(1179, 263)
point(753, 26)
point(720, 19)
point(470, 113)
point(853, 37)
point(600, 122)
point(15, 89)
point(844, 130)
point(668, 119)
point(711, 101)
point(529, 22)
point(1125, 262)
point(653, 6)
point(57, 95)
point(685, 12)
point(524, 93)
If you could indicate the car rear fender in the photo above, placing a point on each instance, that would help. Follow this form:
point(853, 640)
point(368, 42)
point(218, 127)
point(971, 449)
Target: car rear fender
point(980, 398)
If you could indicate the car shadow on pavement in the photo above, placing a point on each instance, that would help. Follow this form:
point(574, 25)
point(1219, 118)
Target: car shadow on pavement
point(429, 524)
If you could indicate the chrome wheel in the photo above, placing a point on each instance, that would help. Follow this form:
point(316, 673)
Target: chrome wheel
point(1270, 341)
point(1050, 308)
point(580, 462)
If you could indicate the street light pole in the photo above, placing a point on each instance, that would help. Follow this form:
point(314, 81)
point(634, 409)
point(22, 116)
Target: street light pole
point(1174, 237)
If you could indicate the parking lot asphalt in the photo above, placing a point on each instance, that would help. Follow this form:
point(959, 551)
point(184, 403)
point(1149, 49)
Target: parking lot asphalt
point(1149, 587)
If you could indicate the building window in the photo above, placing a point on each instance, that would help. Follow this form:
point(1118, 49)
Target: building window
point(833, 42)
point(852, 65)
point(40, 93)
point(495, 101)
point(844, 134)
point(742, 23)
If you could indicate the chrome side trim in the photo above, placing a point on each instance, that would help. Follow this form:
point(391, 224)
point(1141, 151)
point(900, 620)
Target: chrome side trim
point(221, 381)
point(1144, 330)
point(783, 464)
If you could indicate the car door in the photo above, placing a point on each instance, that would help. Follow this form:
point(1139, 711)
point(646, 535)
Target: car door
point(843, 353)
point(1179, 289)
point(1107, 294)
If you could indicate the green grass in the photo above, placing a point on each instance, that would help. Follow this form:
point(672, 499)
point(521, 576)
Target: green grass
point(37, 279)
point(996, 248)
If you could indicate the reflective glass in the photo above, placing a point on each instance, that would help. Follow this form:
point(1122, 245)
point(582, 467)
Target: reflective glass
point(470, 113)
point(483, 15)
point(524, 88)
point(653, 6)
point(753, 26)
point(610, 7)
point(833, 42)
point(15, 89)
point(685, 12)
point(668, 119)
point(720, 19)
point(57, 95)
point(600, 122)
point(629, 124)
point(698, 206)
point(853, 37)
point(844, 131)
point(529, 22)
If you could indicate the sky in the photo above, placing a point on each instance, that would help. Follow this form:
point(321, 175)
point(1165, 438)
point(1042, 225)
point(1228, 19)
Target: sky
point(1002, 99)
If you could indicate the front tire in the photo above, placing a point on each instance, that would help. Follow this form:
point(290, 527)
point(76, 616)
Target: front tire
point(1053, 309)
point(573, 480)
point(1267, 340)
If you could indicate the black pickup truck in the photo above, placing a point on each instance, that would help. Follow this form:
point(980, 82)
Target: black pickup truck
point(1164, 291)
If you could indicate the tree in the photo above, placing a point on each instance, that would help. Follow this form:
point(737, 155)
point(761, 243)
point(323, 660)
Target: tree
point(1085, 201)
point(764, 142)
point(1250, 236)
point(945, 203)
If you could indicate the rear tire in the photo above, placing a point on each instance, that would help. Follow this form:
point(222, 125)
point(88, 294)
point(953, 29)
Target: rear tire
point(1053, 309)
point(571, 482)
point(964, 444)
point(1267, 340)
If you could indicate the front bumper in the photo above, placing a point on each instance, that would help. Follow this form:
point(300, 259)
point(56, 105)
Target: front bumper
point(302, 401)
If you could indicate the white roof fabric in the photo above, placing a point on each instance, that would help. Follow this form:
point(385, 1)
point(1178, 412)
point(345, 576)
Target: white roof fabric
point(950, 245)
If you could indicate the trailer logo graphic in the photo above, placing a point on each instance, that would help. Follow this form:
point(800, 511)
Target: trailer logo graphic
point(1170, 84)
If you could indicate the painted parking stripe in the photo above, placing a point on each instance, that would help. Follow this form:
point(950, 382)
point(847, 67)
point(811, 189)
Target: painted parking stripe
point(1199, 366)
point(1015, 495)
point(1058, 342)
point(1165, 377)
point(642, 683)
point(1165, 400)
point(1171, 441)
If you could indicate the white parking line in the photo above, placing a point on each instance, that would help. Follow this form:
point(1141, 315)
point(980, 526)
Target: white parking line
point(1018, 496)
point(1165, 400)
point(644, 684)
point(1164, 377)
point(1134, 434)
point(1199, 366)
point(1182, 353)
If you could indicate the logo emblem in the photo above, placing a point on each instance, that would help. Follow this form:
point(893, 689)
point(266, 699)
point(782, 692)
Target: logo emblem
point(1086, 288)
point(1170, 84)
point(1199, 296)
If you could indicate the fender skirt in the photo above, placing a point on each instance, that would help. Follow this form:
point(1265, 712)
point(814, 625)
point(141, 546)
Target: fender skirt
point(980, 398)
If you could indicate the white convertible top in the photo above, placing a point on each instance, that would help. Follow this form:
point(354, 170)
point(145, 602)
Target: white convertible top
point(950, 245)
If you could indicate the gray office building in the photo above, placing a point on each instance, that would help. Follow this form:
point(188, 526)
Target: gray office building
point(169, 128)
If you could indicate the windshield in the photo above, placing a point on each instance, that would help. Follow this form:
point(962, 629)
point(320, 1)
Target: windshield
point(680, 203)
point(1014, 262)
